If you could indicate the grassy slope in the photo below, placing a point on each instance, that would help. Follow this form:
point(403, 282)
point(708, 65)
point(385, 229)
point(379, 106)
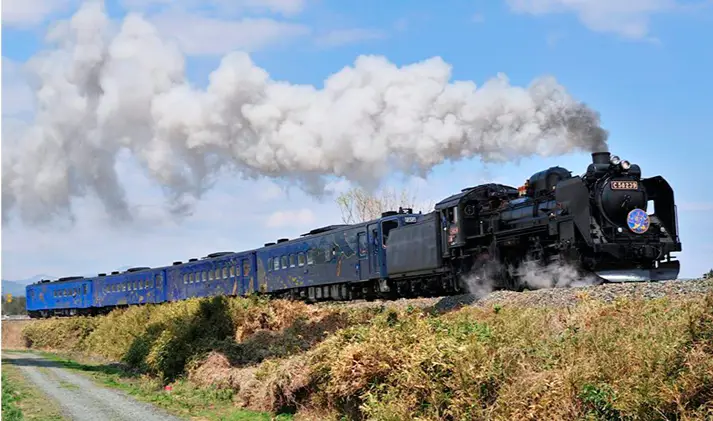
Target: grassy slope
point(627, 360)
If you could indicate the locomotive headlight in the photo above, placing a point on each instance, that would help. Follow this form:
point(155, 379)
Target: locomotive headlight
point(625, 165)
point(619, 229)
point(615, 160)
point(663, 229)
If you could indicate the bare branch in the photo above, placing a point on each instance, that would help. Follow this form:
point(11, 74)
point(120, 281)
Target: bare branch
point(358, 205)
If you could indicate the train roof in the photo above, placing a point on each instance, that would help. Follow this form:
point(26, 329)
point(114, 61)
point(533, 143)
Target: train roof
point(62, 280)
point(223, 254)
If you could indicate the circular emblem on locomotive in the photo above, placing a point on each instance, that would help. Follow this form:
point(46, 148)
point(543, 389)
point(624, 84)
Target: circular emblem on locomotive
point(638, 221)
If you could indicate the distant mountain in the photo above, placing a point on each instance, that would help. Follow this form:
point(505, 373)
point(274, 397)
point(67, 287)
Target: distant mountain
point(17, 287)
point(14, 288)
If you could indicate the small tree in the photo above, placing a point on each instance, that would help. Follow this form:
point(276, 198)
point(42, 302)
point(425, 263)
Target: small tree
point(708, 275)
point(358, 205)
point(13, 306)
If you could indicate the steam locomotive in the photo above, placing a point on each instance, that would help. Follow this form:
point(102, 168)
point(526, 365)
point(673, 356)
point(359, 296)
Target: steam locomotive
point(601, 223)
point(609, 222)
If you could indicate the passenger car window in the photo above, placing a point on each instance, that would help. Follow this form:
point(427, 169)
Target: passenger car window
point(232, 271)
point(300, 259)
point(269, 264)
point(284, 262)
point(276, 264)
point(310, 257)
point(292, 260)
point(246, 268)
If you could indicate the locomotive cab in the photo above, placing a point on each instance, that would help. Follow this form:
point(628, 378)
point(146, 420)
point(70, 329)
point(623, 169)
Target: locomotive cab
point(465, 215)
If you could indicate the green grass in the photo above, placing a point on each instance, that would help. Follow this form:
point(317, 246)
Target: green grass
point(10, 396)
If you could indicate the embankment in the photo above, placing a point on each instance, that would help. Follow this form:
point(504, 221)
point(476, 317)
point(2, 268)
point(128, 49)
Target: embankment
point(616, 352)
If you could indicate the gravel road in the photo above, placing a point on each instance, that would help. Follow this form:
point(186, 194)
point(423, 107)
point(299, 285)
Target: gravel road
point(80, 398)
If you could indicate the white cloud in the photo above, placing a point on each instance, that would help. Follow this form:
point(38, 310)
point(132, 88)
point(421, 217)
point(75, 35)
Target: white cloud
point(17, 96)
point(270, 191)
point(27, 13)
point(200, 35)
point(338, 186)
point(628, 18)
point(228, 219)
point(339, 37)
point(293, 218)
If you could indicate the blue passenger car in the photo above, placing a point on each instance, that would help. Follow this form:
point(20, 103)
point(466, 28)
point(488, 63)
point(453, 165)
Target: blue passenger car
point(135, 286)
point(67, 296)
point(226, 274)
point(328, 262)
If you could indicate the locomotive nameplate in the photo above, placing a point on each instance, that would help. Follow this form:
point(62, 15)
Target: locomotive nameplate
point(624, 185)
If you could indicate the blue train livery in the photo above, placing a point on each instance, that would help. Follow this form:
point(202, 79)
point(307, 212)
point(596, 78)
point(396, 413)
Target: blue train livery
point(332, 262)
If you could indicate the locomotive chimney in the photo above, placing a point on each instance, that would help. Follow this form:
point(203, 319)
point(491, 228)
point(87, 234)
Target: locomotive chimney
point(601, 157)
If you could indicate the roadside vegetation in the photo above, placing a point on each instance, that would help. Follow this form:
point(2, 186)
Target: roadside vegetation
point(626, 360)
point(22, 401)
point(10, 410)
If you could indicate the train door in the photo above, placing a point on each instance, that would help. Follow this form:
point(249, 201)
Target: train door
point(159, 291)
point(363, 268)
point(246, 272)
point(386, 226)
point(373, 241)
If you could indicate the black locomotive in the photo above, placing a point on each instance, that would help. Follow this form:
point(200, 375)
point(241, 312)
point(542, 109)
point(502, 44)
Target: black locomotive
point(600, 223)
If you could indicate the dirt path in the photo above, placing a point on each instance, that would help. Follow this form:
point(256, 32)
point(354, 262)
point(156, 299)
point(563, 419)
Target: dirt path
point(80, 398)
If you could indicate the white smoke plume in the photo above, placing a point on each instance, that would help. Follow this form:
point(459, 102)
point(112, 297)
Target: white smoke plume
point(103, 88)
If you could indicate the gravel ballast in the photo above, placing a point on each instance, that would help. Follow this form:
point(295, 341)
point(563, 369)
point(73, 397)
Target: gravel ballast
point(552, 297)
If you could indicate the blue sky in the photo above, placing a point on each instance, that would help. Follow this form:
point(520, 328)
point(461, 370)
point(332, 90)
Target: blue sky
point(645, 65)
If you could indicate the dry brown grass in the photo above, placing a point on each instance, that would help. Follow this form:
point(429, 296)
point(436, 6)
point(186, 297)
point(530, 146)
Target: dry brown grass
point(627, 360)
point(12, 334)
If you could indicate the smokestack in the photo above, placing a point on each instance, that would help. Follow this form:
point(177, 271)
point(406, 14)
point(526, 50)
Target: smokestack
point(601, 157)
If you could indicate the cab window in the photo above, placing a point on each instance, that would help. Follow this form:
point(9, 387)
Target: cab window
point(386, 227)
